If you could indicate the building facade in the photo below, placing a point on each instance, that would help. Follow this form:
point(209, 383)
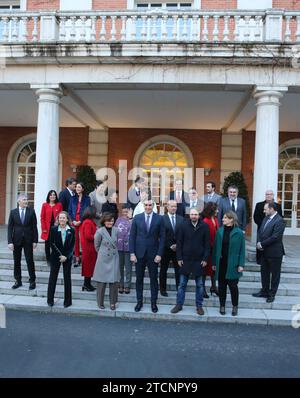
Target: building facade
point(198, 84)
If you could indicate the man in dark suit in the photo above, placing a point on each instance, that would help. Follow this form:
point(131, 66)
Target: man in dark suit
point(66, 194)
point(134, 193)
point(181, 198)
point(270, 247)
point(193, 249)
point(146, 246)
point(236, 204)
point(194, 202)
point(259, 214)
point(172, 223)
point(22, 233)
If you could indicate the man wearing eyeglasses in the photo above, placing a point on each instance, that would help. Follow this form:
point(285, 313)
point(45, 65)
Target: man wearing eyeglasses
point(146, 246)
point(235, 203)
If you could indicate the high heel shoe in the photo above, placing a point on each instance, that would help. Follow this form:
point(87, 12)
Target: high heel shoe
point(212, 290)
point(88, 288)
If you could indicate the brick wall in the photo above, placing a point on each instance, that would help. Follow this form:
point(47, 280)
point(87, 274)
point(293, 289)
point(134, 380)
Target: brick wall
point(43, 4)
point(109, 4)
point(73, 145)
point(288, 4)
point(204, 145)
point(218, 4)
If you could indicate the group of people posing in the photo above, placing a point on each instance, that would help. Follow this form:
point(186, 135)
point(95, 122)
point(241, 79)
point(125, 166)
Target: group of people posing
point(200, 237)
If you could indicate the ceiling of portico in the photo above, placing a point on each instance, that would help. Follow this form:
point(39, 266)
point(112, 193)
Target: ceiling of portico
point(176, 107)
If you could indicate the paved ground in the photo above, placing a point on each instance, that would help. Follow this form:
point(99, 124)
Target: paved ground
point(54, 345)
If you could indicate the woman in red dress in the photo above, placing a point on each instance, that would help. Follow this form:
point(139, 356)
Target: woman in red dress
point(78, 204)
point(89, 255)
point(210, 217)
point(49, 212)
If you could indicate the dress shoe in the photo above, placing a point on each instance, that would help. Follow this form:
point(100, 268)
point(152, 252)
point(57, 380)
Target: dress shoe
point(16, 285)
point(32, 286)
point(164, 293)
point(138, 307)
point(50, 304)
point(200, 310)
point(127, 290)
point(121, 290)
point(234, 310)
point(205, 295)
point(154, 308)
point(176, 309)
point(215, 290)
point(260, 294)
point(67, 305)
point(222, 310)
point(270, 299)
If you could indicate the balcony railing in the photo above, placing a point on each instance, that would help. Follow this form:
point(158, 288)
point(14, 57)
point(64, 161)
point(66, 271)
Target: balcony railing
point(277, 26)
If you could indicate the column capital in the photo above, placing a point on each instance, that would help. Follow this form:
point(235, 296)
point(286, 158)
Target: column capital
point(268, 95)
point(48, 92)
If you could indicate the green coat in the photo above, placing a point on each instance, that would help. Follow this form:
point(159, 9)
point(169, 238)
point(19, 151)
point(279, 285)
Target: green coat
point(236, 253)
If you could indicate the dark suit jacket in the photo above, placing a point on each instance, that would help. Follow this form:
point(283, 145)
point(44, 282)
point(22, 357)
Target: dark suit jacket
point(85, 202)
point(171, 235)
point(57, 246)
point(64, 198)
point(241, 212)
point(193, 247)
point(17, 233)
point(259, 214)
point(180, 206)
point(271, 238)
point(150, 243)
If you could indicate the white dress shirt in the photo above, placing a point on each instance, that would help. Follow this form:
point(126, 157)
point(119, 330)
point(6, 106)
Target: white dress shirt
point(140, 208)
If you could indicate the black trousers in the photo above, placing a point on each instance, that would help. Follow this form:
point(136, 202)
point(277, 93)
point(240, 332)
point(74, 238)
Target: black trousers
point(28, 251)
point(223, 283)
point(54, 271)
point(270, 274)
point(47, 249)
point(140, 267)
point(168, 256)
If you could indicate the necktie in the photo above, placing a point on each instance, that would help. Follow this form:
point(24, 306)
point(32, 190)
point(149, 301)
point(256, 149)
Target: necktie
point(148, 223)
point(267, 222)
point(173, 222)
point(22, 216)
point(232, 205)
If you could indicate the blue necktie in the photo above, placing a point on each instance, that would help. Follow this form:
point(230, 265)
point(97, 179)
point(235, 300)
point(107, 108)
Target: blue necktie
point(173, 222)
point(22, 216)
point(148, 223)
point(267, 222)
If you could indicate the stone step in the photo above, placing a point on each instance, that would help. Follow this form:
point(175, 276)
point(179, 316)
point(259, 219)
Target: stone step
point(126, 310)
point(285, 289)
point(249, 275)
point(245, 300)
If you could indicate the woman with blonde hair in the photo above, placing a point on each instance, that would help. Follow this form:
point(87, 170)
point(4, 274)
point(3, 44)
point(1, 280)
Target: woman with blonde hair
point(229, 259)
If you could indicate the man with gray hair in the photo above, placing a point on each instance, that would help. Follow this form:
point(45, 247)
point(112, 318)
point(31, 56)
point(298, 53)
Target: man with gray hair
point(236, 204)
point(22, 233)
point(259, 214)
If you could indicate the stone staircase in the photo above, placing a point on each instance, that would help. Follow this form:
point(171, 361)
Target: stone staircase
point(251, 310)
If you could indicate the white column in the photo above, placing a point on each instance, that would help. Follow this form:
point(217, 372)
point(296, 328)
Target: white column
point(266, 145)
point(47, 150)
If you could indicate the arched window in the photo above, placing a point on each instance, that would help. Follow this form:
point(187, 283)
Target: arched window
point(163, 162)
point(289, 187)
point(25, 171)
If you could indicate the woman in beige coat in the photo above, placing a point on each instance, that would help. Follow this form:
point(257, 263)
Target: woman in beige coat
point(107, 268)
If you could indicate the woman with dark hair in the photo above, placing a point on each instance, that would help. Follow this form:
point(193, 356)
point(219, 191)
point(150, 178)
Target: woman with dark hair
point(107, 268)
point(78, 204)
point(111, 205)
point(89, 255)
point(229, 259)
point(209, 216)
point(49, 212)
point(62, 240)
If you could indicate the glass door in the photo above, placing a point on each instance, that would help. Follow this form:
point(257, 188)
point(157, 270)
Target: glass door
point(289, 196)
